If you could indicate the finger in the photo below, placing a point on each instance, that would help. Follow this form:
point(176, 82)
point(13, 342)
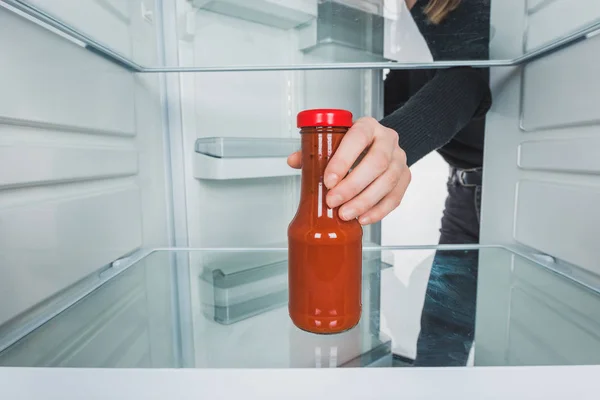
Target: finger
point(388, 203)
point(373, 194)
point(358, 137)
point(295, 160)
point(375, 163)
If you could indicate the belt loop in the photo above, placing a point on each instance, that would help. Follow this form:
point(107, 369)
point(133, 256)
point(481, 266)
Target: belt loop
point(461, 176)
point(453, 176)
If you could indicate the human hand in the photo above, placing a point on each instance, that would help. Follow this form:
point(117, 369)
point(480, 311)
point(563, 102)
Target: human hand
point(377, 184)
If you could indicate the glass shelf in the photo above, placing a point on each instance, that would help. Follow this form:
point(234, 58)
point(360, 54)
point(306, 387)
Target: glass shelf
point(270, 35)
point(226, 308)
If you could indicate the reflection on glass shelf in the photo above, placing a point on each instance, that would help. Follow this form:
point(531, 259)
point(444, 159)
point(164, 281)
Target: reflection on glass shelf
point(237, 286)
point(152, 314)
point(230, 35)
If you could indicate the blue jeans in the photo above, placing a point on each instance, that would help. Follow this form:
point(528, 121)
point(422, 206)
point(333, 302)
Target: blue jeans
point(448, 317)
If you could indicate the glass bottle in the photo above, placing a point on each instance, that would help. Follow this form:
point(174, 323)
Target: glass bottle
point(325, 252)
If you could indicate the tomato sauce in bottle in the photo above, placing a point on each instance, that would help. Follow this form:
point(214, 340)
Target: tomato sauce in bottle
point(325, 252)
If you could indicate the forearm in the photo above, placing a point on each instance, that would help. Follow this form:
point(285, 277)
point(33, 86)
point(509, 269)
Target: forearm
point(438, 111)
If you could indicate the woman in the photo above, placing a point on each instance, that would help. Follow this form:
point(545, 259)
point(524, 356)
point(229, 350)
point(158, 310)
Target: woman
point(427, 110)
point(448, 317)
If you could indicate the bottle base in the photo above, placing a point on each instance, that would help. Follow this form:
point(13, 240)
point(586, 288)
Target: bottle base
point(325, 325)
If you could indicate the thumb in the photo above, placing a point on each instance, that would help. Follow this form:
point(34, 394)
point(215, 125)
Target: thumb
point(295, 160)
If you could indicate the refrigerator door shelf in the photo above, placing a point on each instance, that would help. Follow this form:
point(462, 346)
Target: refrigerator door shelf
point(223, 158)
point(286, 14)
point(212, 168)
point(344, 33)
point(238, 147)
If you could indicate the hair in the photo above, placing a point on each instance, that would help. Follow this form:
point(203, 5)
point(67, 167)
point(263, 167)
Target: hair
point(437, 10)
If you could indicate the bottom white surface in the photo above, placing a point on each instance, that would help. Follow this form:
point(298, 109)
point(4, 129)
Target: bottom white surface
point(576, 382)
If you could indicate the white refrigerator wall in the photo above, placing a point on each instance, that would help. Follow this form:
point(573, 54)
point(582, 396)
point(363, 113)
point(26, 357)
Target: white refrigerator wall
point(542, 181)
point(236, 212)
point(82, 174)
point(541, 190)
point(256, 211)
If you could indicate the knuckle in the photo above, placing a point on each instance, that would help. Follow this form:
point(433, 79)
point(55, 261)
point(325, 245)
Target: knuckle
point(363, 206)
point(392, 179)
point(377, 215)
point(351, 190)
point(358, 138)
point(392, 134)
point(388, 156)
point(367, 120)
point(345, 191)
point(381, 160)
point(339, 194)
point(364, 130)
point(400, 155)
point(397, 166)
point(338, 164)
point(335, 168)
point(364, 138)
point(379, 165)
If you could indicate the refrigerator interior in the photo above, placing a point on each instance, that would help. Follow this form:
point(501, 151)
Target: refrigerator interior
point(106, 104)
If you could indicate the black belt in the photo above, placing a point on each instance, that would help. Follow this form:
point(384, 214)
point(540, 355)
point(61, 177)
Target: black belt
point(467, 177)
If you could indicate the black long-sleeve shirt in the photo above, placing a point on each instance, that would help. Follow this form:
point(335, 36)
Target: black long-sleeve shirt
point(444, 109)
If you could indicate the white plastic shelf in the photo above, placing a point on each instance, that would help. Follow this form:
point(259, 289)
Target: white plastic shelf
point(222, 158)
point(213, 168)
point(280, 14)
point(237, 147)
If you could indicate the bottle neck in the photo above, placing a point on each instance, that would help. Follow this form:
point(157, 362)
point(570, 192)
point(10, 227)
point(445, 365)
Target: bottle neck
point(318, 146)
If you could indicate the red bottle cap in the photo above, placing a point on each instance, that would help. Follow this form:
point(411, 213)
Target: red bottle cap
point(324, 117)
